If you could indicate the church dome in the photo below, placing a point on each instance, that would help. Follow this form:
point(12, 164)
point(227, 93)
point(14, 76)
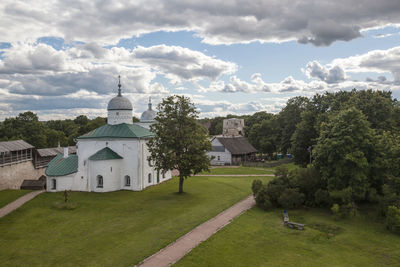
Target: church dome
point(119, 103)
point(149, 114)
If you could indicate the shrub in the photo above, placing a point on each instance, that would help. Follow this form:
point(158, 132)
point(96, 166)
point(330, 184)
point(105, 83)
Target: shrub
point(256, 186)
point(307, 180)
point(393, 219)
point(262, 199)
point(291, 198)
point(274, 190)
point(341, 196)
point(322, 198)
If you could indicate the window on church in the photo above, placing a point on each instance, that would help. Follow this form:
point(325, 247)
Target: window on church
point(99, 181)
point(127, 180)
point(163, 175)
point(53, 184)
point(149, 177)
point(219, 158)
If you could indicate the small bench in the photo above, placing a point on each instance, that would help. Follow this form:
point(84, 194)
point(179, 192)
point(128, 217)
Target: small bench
point(294, 225)
point(289, 224)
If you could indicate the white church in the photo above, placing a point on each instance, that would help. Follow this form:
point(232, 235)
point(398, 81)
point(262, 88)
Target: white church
point(111, 157)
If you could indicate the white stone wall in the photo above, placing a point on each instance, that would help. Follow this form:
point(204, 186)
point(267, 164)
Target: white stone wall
point(62, 183)
point(12, 176)
point(119, 116)
point(220, 158)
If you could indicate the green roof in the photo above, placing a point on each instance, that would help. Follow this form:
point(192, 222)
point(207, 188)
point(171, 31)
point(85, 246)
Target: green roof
point(122, 130)
point(60, 166)
point(105, 154)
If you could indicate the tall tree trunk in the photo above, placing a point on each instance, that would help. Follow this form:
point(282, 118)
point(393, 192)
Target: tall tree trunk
point(180, 184)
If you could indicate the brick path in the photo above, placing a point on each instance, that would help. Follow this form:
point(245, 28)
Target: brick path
point(175, 251)
point(224, 175)
point(18, 203)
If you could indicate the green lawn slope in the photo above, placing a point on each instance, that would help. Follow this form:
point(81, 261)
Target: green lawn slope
point(113, 229)
point(7, 196)
point(258, 238)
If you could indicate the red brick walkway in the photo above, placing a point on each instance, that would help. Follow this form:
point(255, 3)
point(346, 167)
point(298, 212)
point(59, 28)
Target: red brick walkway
point(18, 203)
point(175, 251)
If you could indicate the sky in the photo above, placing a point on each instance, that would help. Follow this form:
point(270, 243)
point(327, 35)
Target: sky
point(61, 59)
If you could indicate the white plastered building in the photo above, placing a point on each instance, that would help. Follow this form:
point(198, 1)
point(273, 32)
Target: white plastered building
point(109, 158)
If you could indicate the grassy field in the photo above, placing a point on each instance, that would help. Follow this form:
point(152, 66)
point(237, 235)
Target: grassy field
point(113, 229)
point(7, 196)
point(258, 238)
point(245, 170)
point(238, 170)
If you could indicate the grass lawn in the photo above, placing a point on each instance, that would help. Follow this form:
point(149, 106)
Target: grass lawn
point(238, 170)
point(7, 196)
point(258, 238)
point(113, 229)
point(246, 170)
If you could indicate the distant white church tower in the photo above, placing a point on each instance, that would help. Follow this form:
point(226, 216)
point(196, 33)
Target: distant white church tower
point(119, 108)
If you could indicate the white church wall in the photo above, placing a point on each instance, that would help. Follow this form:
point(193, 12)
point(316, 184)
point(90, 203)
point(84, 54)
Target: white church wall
point(119, 116)
point(62, 183)
point(109, 170)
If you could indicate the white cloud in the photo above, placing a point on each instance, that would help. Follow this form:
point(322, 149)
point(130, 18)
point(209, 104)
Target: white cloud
point(330, 75)
point(217, 22)
point(178, 63)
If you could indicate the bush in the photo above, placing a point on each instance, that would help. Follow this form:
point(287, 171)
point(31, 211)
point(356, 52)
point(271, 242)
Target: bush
point(393, 219)
point(262, 199)
point(256, 186)
point(291, 198)
point(322, 198)
point(341, 196)
point(308, 181)
point(274, 190)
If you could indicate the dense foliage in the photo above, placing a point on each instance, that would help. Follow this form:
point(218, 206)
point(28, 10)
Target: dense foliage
point(26, 126)
point(180, 142)
point(355, 144)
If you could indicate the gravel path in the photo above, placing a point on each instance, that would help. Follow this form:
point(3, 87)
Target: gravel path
point(247, 175)
point(175, 251)
point(18, 203)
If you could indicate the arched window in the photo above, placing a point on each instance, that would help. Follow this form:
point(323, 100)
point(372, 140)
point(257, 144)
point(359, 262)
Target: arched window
point(163, 174)
point(99, 181)
point(53, 184)
point(127, 180)
point(149, 177)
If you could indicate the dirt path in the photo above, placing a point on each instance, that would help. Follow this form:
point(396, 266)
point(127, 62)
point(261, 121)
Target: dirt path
point(18, 203)
point(247, 175)
point(175, 251)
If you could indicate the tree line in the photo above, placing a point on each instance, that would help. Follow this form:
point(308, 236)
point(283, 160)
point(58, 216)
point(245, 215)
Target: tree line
point(26, 126)
point(354, 138)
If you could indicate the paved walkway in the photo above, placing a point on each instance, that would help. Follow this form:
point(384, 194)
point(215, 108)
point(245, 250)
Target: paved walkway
point(175, 251)
point(18, 203)
point(247, 175)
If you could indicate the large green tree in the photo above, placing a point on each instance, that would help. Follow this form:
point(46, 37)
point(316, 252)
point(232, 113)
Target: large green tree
point(345, 153)
point(180, 142)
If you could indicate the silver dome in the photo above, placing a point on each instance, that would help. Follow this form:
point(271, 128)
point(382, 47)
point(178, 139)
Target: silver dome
point(149, 114)
point(119, 103)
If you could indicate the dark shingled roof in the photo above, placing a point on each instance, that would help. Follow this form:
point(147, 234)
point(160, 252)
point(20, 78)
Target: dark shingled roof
point(54, 151)
point(16, 145)
point(33, 184)
point(122, 130)
point(237, 145)
point(60, 166)
point(105, 154)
